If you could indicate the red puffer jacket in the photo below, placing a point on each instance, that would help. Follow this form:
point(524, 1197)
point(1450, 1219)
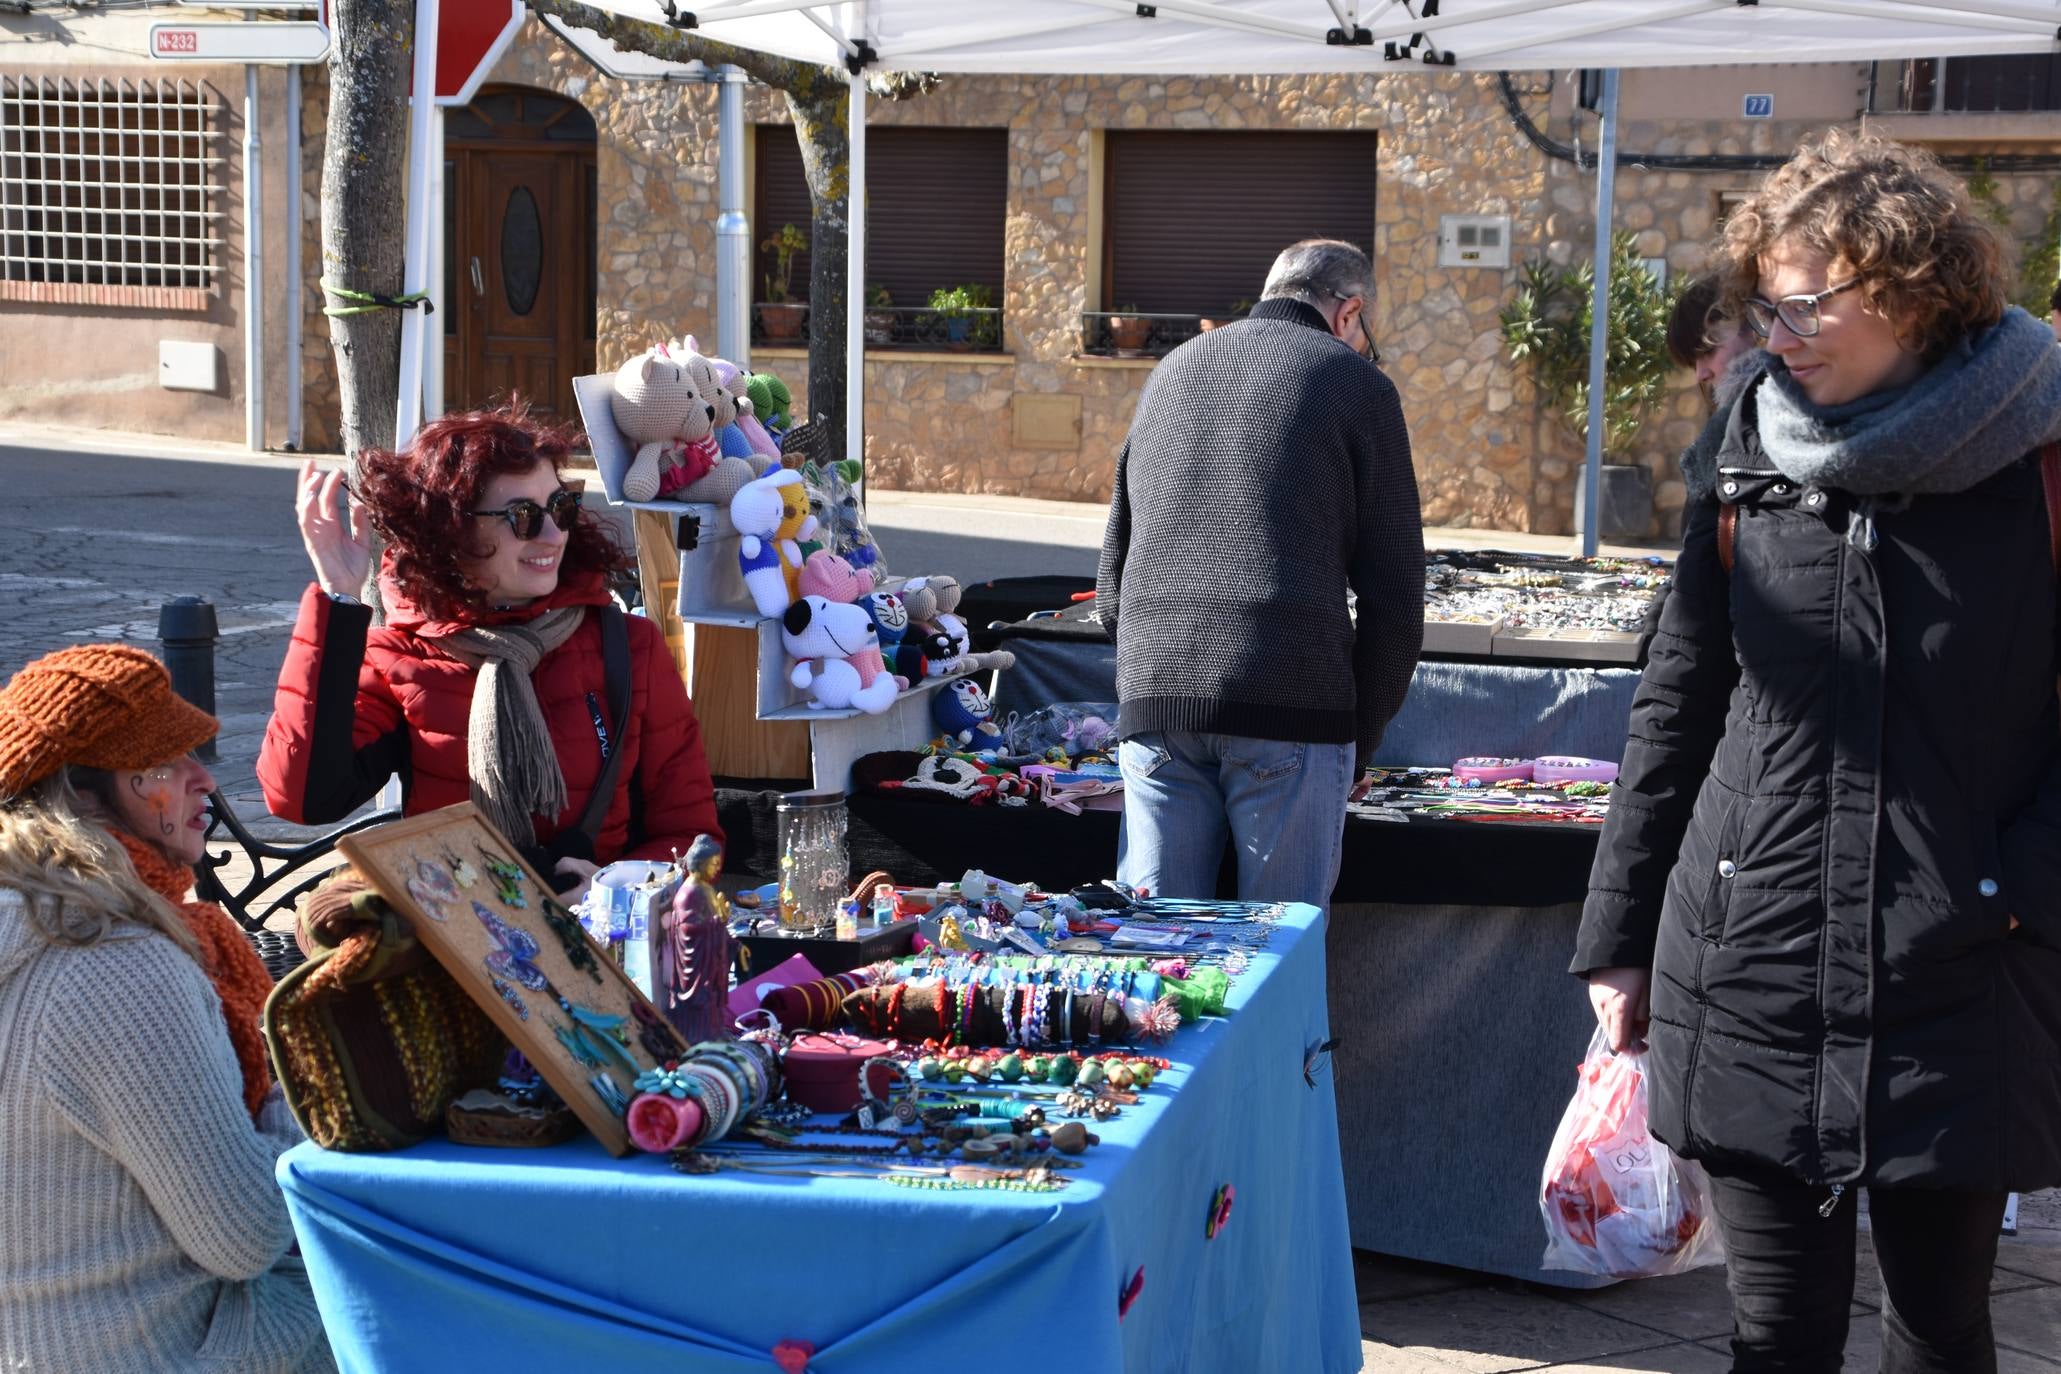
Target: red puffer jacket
point(356, 705)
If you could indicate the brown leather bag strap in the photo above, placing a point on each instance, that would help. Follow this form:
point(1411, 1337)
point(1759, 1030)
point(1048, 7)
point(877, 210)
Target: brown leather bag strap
point(1728, 530)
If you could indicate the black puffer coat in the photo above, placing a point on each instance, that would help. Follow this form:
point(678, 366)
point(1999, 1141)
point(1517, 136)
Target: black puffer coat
point(1843, 780)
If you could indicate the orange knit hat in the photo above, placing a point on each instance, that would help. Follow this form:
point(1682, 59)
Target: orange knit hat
point(103, 705)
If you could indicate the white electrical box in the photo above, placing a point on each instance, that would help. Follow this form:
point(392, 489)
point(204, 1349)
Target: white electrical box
point(1473, 240)
point(188, 366)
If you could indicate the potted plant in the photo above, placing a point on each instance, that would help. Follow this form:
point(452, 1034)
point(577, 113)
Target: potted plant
point(955, 305)
point(781, 316)
point(1239, 310)
point(880, 319)
point(1129, 331)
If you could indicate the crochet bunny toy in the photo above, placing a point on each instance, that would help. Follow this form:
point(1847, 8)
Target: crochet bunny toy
point(946, 642)
point(839, 641)
point(891, 621)
point(660, 407)
point(771, 514)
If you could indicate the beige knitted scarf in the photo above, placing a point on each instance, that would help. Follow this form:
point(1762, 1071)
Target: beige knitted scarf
point(508, 750)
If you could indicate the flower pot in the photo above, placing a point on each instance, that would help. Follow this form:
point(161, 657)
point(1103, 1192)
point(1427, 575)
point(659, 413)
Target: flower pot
point(1130, 333)
point(959, 331)
point(782, 320)
point(880, 327)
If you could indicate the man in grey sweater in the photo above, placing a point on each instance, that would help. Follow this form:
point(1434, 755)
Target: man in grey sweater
point(1266, 475)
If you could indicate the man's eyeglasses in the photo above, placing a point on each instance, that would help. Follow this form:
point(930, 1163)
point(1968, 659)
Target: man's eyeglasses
point(1800, 313)
point(526, 517)
point(1373, 352)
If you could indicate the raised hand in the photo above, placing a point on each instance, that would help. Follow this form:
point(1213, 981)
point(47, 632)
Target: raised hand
point(339, 545)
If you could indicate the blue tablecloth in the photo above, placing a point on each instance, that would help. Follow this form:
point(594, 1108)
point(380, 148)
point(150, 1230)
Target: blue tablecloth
point(566, 1259)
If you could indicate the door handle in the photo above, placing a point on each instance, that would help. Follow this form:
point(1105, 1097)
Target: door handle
point(479, 283)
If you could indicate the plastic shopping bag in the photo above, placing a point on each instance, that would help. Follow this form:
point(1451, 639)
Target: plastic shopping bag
point(1617, 1202)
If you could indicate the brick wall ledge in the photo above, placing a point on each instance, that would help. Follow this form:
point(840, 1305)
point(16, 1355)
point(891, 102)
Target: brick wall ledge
point(898, 355)
point(1091, 360)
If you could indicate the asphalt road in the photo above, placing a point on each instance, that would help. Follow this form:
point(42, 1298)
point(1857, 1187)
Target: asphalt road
point(97, 533)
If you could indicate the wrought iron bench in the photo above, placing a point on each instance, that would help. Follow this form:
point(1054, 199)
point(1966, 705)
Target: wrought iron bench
point(279, 875)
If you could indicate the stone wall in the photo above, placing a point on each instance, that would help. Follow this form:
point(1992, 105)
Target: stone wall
point(1487, 453)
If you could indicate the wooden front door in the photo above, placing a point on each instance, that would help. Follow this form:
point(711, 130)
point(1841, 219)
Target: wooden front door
point(519, 265)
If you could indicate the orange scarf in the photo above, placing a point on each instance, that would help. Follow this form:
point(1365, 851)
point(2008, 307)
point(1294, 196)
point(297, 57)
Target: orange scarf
point(226, 956)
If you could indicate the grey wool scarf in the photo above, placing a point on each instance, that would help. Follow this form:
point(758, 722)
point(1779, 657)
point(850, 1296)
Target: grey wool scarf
point(1994, 398)
point(508, 750)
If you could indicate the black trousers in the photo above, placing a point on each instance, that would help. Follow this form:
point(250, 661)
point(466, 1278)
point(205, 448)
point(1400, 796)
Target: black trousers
point(1791, 1273)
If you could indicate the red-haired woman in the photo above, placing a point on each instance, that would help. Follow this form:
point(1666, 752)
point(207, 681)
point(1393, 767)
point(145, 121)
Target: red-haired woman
point(490, 678)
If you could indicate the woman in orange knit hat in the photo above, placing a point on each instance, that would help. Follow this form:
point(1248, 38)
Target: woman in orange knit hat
point(138, 1126)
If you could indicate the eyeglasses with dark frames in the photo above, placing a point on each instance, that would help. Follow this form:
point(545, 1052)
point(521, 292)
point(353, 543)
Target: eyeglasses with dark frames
point(526, 518)
point(1799, 313)
point(1373, 350)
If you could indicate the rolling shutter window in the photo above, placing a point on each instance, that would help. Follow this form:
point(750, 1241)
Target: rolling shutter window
point(1196, 219)
point(936, 202)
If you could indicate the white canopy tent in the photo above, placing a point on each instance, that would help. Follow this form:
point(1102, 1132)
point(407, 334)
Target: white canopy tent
point(1198, 37)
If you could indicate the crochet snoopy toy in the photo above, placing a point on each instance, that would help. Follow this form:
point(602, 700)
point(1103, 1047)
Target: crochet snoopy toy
point(841, 643)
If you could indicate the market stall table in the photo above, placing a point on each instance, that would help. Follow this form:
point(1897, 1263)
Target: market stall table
point(564, 1258)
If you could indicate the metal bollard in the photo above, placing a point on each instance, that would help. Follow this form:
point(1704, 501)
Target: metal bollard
point(186, 627)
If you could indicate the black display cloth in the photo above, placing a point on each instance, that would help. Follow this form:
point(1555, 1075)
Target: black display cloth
point(1427, 860)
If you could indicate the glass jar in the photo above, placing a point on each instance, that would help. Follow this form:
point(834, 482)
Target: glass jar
point(814, 867)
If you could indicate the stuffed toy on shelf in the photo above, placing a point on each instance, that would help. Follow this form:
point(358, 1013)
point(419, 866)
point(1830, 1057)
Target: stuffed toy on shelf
point(839, 641)
point(732, 407)
point(905, 657)
point(966, 716)
point(833, 578)
point(772, 516)
point(664, 411)
point(944, 636)
point(771, 402)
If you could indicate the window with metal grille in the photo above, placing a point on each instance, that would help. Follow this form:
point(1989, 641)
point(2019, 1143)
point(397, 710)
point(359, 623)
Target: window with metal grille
point(110, 191)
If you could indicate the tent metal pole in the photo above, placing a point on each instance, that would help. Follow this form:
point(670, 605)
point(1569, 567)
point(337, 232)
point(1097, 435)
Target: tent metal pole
point(253, 267)
point(733, 225)
point(408, 402)
point(704, 15)
point(1219, 16)
point(1402, 28)
point(855, 280)
point(294, 323)
point(1621, 20)
point(1599, 316)
point(438, 288)
point(1984, 18)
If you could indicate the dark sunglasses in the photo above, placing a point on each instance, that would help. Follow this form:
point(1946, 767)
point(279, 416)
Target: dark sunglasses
point(526, 517)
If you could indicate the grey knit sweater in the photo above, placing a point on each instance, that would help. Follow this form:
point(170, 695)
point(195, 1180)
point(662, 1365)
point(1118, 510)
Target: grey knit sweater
point(1267, 473)
point(140, 1226)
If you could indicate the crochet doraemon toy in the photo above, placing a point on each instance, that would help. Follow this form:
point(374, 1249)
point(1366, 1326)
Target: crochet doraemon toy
point(891, 621)
point(662, 410)
point(771, 515)
point(963, 712)
point(840, 643)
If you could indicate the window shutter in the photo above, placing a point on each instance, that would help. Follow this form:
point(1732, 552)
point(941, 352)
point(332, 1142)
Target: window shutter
point(1196, 219)
point(936, 203)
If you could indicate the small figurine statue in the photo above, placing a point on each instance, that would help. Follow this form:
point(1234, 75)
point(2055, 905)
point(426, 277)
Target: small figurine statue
point(691, 956)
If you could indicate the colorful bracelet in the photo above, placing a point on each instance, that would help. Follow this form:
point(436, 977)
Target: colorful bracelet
point(1571, 768)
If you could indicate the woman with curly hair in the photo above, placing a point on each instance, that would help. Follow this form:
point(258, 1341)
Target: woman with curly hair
point(1828, 897)
point(139, 1126)
point(491, 677)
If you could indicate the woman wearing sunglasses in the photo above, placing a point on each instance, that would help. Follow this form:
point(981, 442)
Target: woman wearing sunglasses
point(1828, 897)
point(489, 679)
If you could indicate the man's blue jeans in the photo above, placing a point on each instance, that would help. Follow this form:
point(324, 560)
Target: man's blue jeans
point(1281, 803)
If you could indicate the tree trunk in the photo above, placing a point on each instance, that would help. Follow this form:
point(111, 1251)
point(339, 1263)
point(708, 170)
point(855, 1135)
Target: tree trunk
point(364, 195)
point(820, 113)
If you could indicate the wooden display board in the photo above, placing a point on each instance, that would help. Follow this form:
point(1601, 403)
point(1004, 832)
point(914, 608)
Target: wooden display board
point(522, 955)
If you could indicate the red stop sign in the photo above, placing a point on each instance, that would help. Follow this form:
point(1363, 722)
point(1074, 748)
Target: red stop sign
point(471, 36)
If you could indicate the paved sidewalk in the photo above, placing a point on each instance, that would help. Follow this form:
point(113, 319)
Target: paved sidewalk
point(1425, 1319)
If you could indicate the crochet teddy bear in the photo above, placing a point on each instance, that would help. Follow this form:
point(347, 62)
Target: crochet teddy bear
point(771, 514)
point(839, 641)
point(661, 408)
point(966, 716)
point(833, 578)
point(771, 402)
point(944, 636)
point(732, 409)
